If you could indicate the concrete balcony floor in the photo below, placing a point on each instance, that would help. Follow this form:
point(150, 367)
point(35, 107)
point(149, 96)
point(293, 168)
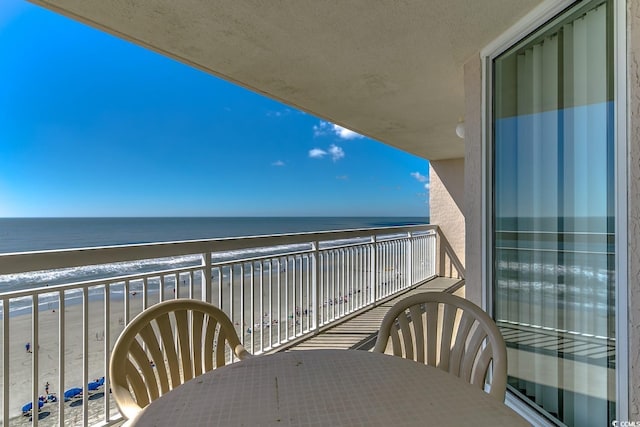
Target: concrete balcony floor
point(359, 331)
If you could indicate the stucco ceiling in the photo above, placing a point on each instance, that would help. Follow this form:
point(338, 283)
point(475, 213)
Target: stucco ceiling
point(389, 69)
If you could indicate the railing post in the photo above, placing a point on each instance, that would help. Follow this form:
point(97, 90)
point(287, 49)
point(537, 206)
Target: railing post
point(85, 354)
point(374, 266)
point(439, 254)
point(127, 308)
point(409, 263)
point(35, 349)
point(435, 245)
point(206, 281)
point(61, 354)
point(106, 337)
point(242, 308)
point(316, 286)
point(5, 361)
point(232, 293)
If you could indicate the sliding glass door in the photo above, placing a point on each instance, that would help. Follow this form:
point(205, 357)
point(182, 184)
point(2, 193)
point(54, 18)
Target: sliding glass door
point(553, 215)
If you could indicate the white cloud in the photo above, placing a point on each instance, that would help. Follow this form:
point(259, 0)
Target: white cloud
point(343, 177)
point(320, 129)
point(336, 152)
point(420, 177)
point(345, 133)
point(325, 128)
point(425, 194)
point(317, 153)
point(278, 113)
point(277, 163)
point(425, 181)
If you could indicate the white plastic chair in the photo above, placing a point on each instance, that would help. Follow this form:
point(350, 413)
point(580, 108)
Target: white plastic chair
point(167, 345)
point(450, 333)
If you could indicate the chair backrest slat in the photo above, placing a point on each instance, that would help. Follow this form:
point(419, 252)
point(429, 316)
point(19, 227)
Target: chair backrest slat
point(141, 359)
point(149, 337)
point(405, 330)
point(432, 332)
point(418, 332)
point(220, 348)
point(196, 341)
point(448, 322)
point(457, 351)
point(136, 383)
point(208, 343)
point(168, 346)
point(186, 355)
point(395, 341)
point(460, 338)
point(482, 366)
point(471, 353)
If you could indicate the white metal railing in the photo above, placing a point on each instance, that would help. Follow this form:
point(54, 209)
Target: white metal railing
point(274, 288)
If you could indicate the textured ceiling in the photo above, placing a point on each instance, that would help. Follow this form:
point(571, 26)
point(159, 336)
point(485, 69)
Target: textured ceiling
point(389, 69)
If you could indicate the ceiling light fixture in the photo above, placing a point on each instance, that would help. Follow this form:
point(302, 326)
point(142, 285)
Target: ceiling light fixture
point(460, 129)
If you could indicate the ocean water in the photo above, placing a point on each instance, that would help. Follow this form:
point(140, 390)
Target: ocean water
point(35, 234)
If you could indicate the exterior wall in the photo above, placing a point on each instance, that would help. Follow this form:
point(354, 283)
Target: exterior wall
point(633, 40)
point(473, 179)
point(446, 201)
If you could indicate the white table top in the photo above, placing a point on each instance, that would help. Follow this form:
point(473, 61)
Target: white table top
point(327, 388)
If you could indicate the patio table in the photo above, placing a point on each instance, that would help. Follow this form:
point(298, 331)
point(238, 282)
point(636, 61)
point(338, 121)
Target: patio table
point(327, 388)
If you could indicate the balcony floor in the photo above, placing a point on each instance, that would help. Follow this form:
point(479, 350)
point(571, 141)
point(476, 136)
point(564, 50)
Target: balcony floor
point(359, 331)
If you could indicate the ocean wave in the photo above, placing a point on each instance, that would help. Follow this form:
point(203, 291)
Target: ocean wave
point(21, 281)
point(258, 252)
point(38, 279)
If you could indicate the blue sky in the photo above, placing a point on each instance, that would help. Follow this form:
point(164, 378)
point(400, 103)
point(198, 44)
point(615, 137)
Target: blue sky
point(91, 125)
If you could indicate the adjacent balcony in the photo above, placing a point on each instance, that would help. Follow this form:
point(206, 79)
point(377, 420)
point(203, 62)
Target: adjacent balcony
point(280, 291)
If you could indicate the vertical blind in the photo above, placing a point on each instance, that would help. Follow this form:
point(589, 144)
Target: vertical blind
point(553, 186)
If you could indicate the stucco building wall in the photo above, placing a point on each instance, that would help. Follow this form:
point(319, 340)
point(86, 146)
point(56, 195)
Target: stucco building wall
point(446, 201)
point(473, 179)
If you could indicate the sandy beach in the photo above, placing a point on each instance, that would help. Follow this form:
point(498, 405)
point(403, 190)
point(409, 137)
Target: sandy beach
point(20, 361)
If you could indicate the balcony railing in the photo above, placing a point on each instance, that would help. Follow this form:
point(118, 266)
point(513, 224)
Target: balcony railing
point(275, 289)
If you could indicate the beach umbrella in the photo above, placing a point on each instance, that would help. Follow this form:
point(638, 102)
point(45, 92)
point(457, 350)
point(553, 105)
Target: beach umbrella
point(72, 392)
point(94, 385)
point(27, 407)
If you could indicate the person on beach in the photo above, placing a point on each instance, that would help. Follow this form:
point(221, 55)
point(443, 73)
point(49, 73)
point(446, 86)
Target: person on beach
point(46, 388)
point(27, 347)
